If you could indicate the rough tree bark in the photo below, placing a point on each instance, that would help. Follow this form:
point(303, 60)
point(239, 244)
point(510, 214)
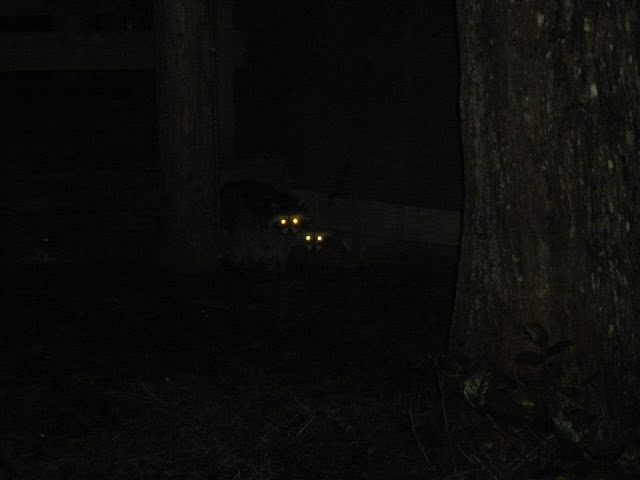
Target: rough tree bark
point(550, 105)
point(186, 133)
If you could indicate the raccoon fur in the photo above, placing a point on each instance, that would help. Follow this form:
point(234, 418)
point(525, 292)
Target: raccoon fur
point(261, 225)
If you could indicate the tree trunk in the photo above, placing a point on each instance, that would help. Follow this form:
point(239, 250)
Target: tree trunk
point(186, 134)
point(549, 104)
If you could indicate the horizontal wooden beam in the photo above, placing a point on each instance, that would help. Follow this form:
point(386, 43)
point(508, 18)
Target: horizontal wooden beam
point(36, 7)
point(121, 190)
point(41, 51)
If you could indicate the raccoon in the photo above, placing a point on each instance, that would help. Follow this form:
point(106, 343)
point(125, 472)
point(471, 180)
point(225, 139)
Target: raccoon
point(328, 246)
point(314, 240)
point(260, 224)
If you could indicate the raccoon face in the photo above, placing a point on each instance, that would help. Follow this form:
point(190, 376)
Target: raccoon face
point(261, 224)
point(315, 241)
point(288, 223)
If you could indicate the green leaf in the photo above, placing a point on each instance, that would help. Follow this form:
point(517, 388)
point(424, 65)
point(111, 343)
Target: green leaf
point(575, 424)
point(537, 334)
point(475, 388)
point(530, 358)
point(558, 347)
point(527, 397)
point(629, 456)
point(565, 427)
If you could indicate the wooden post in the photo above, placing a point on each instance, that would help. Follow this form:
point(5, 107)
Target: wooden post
point(186, 133)
point(231, 45)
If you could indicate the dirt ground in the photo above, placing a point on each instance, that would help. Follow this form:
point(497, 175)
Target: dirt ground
point(126, 372)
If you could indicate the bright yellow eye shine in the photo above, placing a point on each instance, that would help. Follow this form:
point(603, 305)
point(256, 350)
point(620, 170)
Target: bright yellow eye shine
point(283, 221)
point(295, 220)
point(307, 238)
point(319, 238)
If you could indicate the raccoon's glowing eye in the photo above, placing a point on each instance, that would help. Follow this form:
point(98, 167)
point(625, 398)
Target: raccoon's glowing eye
point(283, 221)
point(295, 220)
point(307, 238)
point(319, 238)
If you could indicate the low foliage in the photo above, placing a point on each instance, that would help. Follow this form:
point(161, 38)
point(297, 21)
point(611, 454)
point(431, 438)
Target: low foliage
point(537, 427)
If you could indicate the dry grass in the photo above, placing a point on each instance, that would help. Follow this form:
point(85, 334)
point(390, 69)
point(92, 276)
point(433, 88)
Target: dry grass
point(182, 428)
point(311, 378)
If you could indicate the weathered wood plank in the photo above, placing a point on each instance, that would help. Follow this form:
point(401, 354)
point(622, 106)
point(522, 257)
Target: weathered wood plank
point(51, 51)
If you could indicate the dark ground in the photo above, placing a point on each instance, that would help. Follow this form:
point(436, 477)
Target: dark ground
point(113, 372)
